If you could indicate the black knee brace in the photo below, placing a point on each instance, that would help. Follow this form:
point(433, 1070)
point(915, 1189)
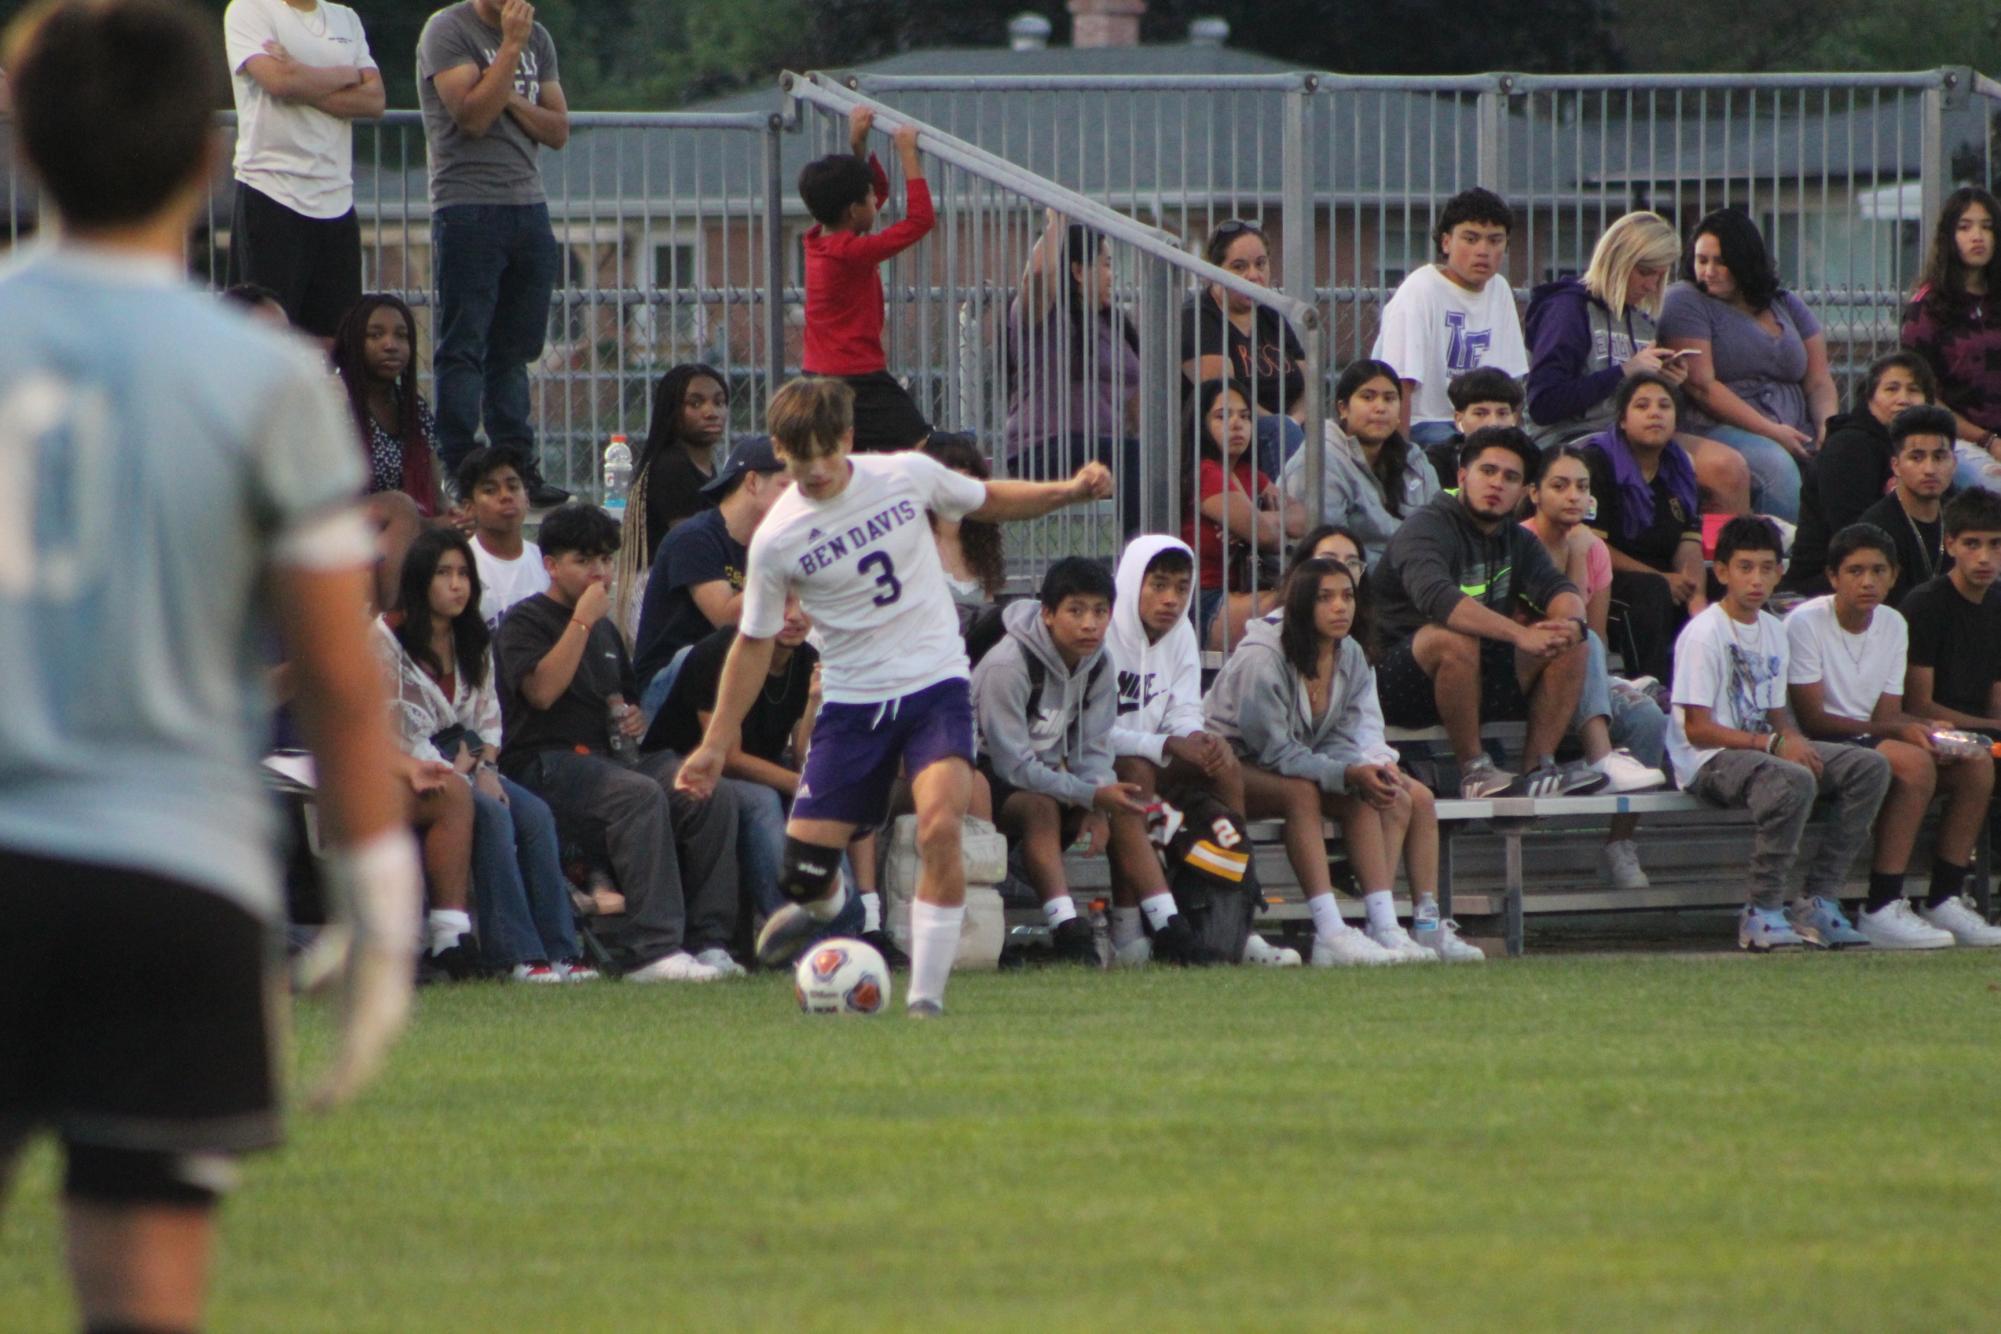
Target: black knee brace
point(133, 1176)
point(809, 871)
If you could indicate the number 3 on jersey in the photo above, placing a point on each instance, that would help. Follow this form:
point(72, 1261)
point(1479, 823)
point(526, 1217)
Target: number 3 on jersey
point(885, 579)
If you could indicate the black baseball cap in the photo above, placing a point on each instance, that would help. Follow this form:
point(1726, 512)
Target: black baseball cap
point(752, 454)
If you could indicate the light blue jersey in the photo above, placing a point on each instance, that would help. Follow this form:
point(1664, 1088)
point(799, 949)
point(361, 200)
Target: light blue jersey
point(157, 451)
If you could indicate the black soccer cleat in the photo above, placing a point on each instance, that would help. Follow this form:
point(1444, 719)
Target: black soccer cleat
point(785, 936)
point(1175, 943)
point(924, 1009)
point(1075, 943)
point(886, 947)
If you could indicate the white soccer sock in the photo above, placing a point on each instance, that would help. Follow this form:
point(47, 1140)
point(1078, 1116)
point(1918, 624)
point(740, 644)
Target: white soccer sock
point(1159, 908)
point(827, 909)
point(1125, 926)
point(1382, 909)
point(934, 943)
point(1059, 910)
point(1327, 922)
point(447, 925)
point(871, 912)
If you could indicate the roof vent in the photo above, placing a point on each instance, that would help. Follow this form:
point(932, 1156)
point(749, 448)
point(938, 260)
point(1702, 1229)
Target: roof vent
point(1028, 32)
point(1209, 32)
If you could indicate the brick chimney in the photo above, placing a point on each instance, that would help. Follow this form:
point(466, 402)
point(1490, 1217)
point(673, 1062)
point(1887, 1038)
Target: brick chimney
point(1105, 22)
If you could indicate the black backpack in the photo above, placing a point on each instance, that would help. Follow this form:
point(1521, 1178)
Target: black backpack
point(1211, 872)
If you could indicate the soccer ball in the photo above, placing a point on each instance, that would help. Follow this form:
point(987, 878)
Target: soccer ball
point(842, 976)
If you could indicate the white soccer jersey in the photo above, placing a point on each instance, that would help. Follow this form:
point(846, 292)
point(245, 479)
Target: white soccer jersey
point(866, 570)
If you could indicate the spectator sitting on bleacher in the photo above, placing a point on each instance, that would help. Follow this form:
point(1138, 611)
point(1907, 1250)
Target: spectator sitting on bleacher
point(1297, 702)
point(1852, 470)
point(1946, 323)
point(1623, 732)
point(1448, 592)
point(1480, 398)
point(494, 490)
point(1237, 520)
point(1923, 465)
point(844, 297)
point(1955, 622)
point(436, 653)
point(1229, 337)
point(1371, 477)
point(1845, 679)
point(1643, 484)
point(697, 580)
point(375, 354)
point(1451, 316)
point(691, 407)
point(763, 772)
point(970, 550)
point(563, 673)
point(1159, 742)
point(1735, 745)
point(1044, 701)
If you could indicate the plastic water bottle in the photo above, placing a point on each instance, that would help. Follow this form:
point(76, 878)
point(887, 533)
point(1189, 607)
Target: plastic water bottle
point(617, 476)
point(624, 749)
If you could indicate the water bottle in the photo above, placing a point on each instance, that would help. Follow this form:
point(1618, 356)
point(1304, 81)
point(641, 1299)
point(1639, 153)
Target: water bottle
point(624, 749)
point(617, 476)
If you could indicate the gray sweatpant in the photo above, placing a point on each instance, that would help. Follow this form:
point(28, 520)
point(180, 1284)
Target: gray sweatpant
point(674, 859)
point(1780, 796)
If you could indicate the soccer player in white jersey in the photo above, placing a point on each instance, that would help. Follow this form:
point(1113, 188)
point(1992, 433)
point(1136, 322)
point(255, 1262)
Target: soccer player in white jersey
point(170, 472)
point(851, 540)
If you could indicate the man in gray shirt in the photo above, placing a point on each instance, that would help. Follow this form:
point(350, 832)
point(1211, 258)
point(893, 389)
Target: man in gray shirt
point(487, 81)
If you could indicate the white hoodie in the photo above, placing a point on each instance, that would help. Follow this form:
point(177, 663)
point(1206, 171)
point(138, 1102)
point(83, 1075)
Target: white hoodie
point(1160, 684)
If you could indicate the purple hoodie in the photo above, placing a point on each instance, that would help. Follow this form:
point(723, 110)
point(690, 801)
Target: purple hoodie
point(1575, 351)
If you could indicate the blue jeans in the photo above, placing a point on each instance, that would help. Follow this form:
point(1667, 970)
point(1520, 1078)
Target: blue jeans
point(1426, 434)
point(760, 855)
point(519, 893)
point(654, 693)
point(1636, 724)
point(1279, 438)
point(496, 266)
point(1775, 473)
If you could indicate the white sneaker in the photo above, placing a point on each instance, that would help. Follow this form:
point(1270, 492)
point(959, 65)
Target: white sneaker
point(1346, 948)
point(1619, 865)
point(1624, 773)
point(1397, 943)
point(680, 966)
point(1441, 937)
point(1896, 927)
point(1963, 922)
point(535, 974)
point(719, 959)
point(1135, 953)
point(1258, 950)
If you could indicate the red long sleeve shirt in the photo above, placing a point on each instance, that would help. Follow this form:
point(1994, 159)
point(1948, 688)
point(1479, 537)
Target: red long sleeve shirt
point(844, 303)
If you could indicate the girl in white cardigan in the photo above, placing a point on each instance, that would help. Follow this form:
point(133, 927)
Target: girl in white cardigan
point(440, 664)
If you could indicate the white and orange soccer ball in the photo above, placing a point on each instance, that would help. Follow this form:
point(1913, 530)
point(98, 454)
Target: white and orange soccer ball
point(842, 976)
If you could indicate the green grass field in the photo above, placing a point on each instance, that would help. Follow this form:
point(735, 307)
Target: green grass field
point(1641, 1142)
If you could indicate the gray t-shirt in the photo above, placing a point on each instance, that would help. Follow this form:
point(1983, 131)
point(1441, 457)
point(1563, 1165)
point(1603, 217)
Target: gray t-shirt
point(1766, 370)
point(500, 166)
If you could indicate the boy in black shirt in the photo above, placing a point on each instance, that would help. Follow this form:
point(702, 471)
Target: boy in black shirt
point(563, 670)
point(1922, 461)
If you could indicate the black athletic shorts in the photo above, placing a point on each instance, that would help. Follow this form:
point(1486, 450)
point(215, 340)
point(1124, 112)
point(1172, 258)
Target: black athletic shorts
point(1073, 816)
point(886, 418)
point(313, 264)
point(135, 1012)
point(1409, 698)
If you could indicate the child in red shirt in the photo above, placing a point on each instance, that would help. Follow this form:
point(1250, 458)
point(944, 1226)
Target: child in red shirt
point(844, 302)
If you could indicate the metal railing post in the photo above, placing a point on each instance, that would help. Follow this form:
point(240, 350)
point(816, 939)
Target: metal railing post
point(774, 257)
point(1491, 148)
point(1933, 169)
point(1297, 200)
point(1159, 392)
point(1313, 334)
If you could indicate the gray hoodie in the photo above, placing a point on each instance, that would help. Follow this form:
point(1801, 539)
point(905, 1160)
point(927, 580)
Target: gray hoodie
point(1352, 494)
point(1065, 752)
point(1258, 704)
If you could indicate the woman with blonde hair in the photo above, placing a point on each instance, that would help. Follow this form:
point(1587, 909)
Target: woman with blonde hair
point(1588, 335)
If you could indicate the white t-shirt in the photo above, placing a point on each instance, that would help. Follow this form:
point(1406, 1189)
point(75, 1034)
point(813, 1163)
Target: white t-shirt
point(1433, 329)
point(502, 583)
point(866, 570)
point(1736, 671)
point(294, 153)
point(1853, 671)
